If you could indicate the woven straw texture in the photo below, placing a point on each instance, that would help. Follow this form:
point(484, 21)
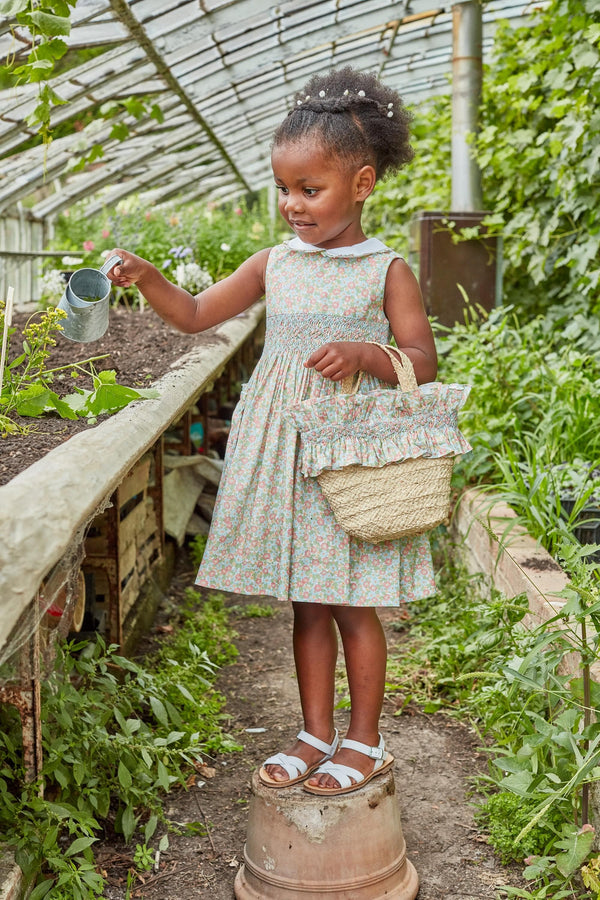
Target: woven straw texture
point(397, 500)
point(389, 502)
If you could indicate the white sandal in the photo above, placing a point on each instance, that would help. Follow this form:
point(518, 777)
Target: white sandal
point(344, 774)
point(295, 767)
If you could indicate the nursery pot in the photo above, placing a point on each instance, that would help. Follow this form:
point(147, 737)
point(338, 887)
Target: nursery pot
point(85, 301)
point(303, 847)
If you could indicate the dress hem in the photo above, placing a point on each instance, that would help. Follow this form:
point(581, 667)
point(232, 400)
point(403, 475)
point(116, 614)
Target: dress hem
point(402, 601)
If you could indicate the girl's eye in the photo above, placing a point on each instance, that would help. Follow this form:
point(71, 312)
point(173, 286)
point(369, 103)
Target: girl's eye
point(281, 188)
point(310, 192)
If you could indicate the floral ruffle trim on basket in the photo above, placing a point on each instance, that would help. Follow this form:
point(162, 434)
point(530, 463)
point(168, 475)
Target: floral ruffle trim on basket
point(379, 427)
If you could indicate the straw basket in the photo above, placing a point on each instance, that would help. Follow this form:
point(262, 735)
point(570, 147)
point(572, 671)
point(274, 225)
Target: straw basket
point(400, 499)
point(407, 494)
point(390, 502)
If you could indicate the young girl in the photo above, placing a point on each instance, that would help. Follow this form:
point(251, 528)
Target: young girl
point(328, 291)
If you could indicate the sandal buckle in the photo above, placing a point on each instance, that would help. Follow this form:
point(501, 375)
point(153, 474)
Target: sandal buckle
point(376, 752)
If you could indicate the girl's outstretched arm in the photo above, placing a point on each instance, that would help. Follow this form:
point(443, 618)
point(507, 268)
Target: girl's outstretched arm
point(403, 306)
point(219, 302)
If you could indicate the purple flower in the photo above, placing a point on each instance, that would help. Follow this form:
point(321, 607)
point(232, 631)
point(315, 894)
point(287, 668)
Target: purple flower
point(181, 251)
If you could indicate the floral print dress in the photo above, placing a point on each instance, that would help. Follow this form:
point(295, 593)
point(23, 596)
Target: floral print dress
point(272, 532)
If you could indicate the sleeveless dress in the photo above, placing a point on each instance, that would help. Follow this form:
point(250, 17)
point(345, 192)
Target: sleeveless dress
point(273, 533)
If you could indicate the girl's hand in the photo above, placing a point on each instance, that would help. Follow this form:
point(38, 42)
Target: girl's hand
point(132, 270)
point(336, 360)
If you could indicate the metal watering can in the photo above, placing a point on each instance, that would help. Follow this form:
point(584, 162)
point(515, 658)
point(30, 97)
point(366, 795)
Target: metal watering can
point(85, 301)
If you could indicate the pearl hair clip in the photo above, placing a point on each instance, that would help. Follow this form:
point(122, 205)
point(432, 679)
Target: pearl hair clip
point(390, 107)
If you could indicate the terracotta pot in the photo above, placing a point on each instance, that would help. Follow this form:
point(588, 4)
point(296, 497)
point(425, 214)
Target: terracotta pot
point(348, 847)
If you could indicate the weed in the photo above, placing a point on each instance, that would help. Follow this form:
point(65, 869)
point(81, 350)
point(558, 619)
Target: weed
point(116, 736)
point(254, 611)
point(196, 547)
point(470, 653)
point(503, 816)
point(143, 858)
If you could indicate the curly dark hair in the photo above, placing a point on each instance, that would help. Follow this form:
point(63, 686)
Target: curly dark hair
point(355, 116)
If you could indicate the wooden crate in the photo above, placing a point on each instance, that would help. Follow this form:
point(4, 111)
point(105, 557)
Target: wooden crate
point(126, 542)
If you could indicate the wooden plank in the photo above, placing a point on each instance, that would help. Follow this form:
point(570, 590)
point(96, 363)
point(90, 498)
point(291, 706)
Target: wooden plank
point(150, 525)
point(135, 482)
point(128, 560)
point(129, 594)
point(131, 525)
point(96, 546)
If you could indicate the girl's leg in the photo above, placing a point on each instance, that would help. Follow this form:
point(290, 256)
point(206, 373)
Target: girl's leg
point(315, 655)
point(365, 651)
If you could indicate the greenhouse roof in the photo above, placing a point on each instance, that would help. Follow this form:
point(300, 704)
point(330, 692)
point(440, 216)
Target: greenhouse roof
point(215, 78)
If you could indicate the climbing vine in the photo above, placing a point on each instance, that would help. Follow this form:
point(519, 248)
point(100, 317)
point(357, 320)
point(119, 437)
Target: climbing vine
point(46, 24)
point(39, 55)
point(539, 149)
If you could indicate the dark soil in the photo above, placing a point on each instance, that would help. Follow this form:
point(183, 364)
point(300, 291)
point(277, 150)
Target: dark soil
point(436, 761)
point(140, 348)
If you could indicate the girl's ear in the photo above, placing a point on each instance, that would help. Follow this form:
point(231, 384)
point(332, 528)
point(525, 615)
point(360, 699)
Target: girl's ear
point(365, 182)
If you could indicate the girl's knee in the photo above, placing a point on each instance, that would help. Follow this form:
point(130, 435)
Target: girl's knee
point(310, 615)
point(352, 618)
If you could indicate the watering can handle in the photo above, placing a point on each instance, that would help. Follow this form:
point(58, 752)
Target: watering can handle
point(110, 263)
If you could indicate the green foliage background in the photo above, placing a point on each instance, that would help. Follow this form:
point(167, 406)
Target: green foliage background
point(539, 150)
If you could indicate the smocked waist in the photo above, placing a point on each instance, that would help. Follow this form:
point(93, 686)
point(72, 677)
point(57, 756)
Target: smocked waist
point(303, 332)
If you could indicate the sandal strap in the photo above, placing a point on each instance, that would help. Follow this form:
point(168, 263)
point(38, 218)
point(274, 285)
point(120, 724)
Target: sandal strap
point(323, 746)
point(342, 774)
point(292, 765)
point(372, 752)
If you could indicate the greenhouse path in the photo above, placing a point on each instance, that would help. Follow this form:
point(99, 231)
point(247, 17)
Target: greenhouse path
point(435, 757)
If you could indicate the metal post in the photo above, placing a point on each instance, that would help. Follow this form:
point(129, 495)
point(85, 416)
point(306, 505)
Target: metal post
point(466, 97)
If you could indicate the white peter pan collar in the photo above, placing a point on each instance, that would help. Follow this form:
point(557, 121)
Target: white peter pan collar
point(364, 248)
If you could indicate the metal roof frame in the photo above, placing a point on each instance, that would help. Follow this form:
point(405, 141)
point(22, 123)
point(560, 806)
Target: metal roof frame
point(223, 74)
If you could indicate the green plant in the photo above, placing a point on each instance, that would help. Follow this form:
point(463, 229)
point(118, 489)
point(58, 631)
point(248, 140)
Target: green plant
point(116, 736)
point(143, 858)
point(591, 875)
point(187, 663)
point(538, 148)
point(466, 653)
point(197, 546)
point(503, 815)
point(254, 611)
point(530, 415)
point(26, 383)
point(47, 23)
point(215, 238)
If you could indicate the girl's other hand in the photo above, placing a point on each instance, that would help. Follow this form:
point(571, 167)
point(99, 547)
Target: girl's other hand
point(336, 360)
point(132, 270)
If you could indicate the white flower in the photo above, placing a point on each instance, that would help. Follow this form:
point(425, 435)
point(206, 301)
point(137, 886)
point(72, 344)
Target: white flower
point(71, 260)
point(52, 284)
point(225, 248)
point(192, 277)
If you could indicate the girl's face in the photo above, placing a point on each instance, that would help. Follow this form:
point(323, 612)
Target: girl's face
point(320, 199)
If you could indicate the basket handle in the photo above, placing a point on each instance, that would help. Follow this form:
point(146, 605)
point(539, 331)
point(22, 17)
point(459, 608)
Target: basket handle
point(403, 368)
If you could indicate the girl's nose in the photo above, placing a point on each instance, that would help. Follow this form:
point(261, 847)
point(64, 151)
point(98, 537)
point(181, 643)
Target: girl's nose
point(295, 201)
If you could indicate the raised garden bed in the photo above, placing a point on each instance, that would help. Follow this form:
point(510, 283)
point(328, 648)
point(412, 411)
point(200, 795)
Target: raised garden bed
point(141, 348)
point(490, 543)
